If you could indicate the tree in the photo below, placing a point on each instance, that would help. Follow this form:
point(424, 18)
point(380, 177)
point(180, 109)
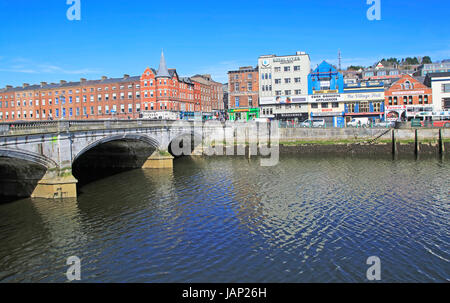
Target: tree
point(426, 60)
point(353, 67)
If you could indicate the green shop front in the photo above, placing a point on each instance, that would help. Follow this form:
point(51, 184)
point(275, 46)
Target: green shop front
point(245, 114)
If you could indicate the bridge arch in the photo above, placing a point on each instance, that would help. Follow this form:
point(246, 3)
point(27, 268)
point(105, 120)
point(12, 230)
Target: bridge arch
point(178, 139)
point(20, 172)
point(111, 155)
point(28, 156)
point(137, 137)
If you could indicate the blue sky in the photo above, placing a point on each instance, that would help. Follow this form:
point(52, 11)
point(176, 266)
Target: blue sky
point(38, 43)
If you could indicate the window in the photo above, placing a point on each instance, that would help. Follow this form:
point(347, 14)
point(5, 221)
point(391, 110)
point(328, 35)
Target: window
point(277, 69)
point(395, 101)
point(325, 105)
point(287, 92)
point(335, 105)
point(249, 86)
point(408, 85)
point(446, 88)
point(426, 99)
point(390, 100)
point(377, 107)
point(314, 105)
point(236, 101)
point(277, 81)
point(298, 91)
point(351, 107)
point(364, 107)
point(287, 68)
point(287, 80)
point(278, 92)
point(250, 101)
point(297, 68)
point(298, 80)
point(236, 86)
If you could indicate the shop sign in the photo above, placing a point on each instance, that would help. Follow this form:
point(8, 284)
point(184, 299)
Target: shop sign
point(364, 96)
point(286, 60)
point(283, 100)
point(326, 98)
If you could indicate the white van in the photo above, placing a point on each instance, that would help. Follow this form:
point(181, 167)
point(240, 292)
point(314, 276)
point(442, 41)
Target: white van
point(313, 123)
point(359, 122)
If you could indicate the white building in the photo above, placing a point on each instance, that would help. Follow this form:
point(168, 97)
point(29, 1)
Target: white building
point(440, 83)
point(283, 82)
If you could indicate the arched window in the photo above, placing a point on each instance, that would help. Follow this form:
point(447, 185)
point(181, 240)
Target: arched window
point(408, 85)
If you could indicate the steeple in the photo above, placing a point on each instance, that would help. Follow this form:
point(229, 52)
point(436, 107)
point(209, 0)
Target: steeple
point(162, 70)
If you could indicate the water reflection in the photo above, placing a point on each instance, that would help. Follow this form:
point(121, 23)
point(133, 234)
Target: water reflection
point(230, 220)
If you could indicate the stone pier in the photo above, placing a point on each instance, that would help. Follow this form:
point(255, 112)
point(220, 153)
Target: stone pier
point(56, 185)
point(159, 160)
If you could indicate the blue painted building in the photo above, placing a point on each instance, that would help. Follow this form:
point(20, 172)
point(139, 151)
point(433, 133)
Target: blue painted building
point(364, 100)
point(326, 88)
point(325, 79)
point(338, 103)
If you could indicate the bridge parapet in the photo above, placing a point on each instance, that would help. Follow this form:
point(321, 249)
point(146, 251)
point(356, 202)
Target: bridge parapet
point(45, 127)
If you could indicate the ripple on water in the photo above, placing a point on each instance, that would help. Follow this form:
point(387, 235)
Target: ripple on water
point(230, 220)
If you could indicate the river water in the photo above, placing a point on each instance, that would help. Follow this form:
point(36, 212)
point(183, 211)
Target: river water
point(229, 220)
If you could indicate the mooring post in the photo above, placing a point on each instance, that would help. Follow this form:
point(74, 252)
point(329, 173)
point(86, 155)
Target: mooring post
point(417, 146)
point(394, 143)
point(441, 143)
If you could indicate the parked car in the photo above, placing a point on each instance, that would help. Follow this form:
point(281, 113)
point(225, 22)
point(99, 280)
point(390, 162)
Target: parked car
point(385, 124)
point(359, 122)
point(261, 120)
point(313, 123)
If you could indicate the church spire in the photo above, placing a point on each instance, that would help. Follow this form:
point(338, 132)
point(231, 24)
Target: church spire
point(162, 70)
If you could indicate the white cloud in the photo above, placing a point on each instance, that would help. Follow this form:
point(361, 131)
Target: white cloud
point(22, 65)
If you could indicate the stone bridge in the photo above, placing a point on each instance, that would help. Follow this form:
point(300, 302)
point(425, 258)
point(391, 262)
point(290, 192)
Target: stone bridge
point(46, 159)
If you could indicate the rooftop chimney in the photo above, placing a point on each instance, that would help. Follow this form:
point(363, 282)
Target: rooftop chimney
point(43, 84)
point(62, 81)
point(104, 78)
point(25, 85)
point(82, 80)
point(9, 86)
point(126, 76)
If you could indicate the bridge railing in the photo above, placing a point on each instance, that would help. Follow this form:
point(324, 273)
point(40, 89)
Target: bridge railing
point(37, 127)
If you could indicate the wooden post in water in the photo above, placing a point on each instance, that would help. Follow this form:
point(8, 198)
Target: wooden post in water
point(417, 146)
point(394, 143)
point(441, 143)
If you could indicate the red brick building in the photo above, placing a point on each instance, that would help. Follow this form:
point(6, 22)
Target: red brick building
point(118, 98)
point(243, 85)
point(407, 96)
point(211, 94)
point(165, 90)
point(7, 104)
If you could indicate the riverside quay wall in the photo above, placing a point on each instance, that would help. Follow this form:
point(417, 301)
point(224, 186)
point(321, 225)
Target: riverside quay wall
point(365, 141)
